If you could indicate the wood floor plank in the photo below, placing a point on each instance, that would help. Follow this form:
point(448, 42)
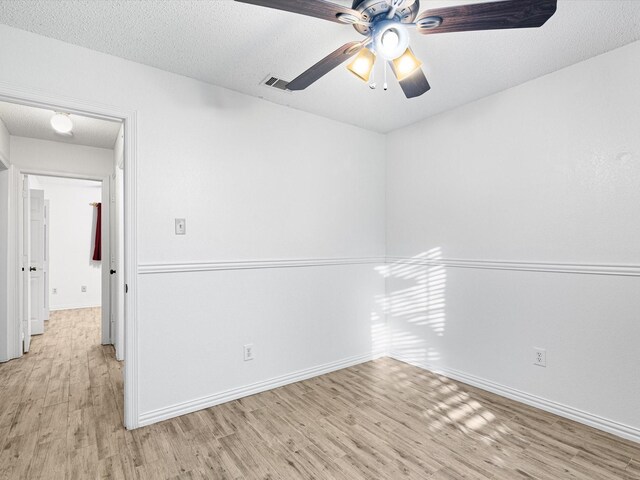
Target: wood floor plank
point(61, 414)
point(27, 418)
point(54, 423)
point(633, 470)
point(49, 461)
point(16, 455)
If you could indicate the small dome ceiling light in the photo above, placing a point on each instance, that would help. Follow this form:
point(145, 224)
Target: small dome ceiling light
point(61, 123)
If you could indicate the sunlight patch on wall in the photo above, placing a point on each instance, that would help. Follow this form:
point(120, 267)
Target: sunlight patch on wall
point(416, 299)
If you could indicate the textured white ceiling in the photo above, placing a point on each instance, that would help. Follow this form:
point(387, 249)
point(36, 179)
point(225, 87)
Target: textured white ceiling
point(236, 45)
point(33, 122)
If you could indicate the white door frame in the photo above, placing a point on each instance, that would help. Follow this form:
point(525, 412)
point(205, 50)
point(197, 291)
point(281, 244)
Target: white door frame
point(106, 334)
point(37, 98)
point(45, 313)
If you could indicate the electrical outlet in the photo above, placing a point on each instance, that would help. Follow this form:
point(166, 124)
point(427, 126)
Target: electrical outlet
point(54, 291)
point(248, 352)
point(540, 357)
point(181, 226)
point(83, 289)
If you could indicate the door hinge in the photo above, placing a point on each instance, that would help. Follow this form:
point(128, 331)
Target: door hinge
point(126, 288)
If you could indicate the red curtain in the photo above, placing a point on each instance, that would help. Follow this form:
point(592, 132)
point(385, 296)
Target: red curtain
point(97, 249)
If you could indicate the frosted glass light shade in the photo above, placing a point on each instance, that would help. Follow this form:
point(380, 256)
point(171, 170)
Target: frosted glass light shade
point(363, 64)
point(406, 64)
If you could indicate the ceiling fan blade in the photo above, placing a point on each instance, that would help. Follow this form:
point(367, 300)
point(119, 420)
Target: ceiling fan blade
point(486, 16)
point(325, 65)
point(313, 8)
point(415, 84)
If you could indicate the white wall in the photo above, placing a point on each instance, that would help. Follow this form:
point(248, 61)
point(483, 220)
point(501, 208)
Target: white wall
point(256, 182)
point(71, 240)
point(544, 174)
point(43, 155)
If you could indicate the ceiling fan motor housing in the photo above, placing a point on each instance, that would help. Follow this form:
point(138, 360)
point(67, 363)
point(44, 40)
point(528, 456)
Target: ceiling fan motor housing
point(375, 11)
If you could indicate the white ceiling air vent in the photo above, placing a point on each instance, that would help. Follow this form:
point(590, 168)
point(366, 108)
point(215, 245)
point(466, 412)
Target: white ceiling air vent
point(275, 82)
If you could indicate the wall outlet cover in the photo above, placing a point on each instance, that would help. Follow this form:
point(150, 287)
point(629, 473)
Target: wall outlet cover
point(248, 352)
point(540, 356)
point(83, 289)
point(54, 291)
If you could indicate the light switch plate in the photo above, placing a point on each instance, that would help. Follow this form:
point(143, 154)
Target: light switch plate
point(181, 226)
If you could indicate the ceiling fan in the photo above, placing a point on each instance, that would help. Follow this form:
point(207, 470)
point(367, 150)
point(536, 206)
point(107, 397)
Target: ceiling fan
point(385, 24)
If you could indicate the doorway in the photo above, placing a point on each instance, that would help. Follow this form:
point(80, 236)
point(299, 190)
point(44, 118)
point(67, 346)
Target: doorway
point(29, 209)
point(67, 225)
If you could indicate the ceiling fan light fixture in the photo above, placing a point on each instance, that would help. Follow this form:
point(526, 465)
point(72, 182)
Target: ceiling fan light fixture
point(406, 64)
point(61, 123)
point(363, 64)
point(390, 39)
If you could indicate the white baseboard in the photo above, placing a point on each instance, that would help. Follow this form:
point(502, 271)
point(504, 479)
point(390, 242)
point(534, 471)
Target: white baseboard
point(586, 418)
point(72, 307)
point(566, 411)
point(190, 406)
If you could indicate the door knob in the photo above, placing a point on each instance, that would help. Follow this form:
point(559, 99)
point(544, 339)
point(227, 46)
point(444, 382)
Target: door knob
point(112, 272)
point(32, 269)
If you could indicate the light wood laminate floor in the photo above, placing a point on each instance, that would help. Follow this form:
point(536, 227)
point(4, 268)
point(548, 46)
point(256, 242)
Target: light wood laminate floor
point(61, 417)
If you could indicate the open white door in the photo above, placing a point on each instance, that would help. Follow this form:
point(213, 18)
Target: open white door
point(36, 263)
point(107, 332)
point(24, 246)
point(45, 264)
point(114, 267)
point(119, 256)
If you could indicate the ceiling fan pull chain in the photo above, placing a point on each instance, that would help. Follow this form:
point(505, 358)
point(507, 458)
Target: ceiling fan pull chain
point(384, 86)
point(373, 85)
